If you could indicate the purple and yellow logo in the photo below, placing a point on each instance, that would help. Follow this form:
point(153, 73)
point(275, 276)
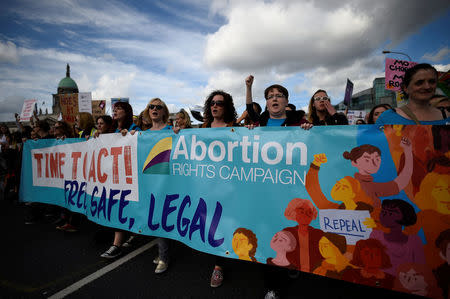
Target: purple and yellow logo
point(157, 161)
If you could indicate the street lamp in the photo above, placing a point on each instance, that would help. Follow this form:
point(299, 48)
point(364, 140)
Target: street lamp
point(387, 52)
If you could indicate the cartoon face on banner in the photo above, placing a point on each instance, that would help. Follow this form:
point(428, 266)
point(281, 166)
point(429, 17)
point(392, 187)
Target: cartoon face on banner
point(338, 202)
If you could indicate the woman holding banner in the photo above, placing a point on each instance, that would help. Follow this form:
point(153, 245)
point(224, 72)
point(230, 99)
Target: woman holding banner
point(123, 118)
point(104, 124)
point(122, 122)
point(85, 124)
point(419, 86)
point(158, 113)
point(219, 111)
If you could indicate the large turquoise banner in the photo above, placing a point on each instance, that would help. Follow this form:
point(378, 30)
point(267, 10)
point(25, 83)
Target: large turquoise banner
point(357, 203)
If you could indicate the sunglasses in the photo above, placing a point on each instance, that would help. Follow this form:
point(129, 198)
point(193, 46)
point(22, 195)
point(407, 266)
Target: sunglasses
point(321, 99)
point(158, 107)
point(218, 103)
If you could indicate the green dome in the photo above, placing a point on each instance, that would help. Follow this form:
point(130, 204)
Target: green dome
point(67, 82)
point(67, 85)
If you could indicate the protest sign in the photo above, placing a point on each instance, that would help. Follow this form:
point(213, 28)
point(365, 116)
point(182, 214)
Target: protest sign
point(206, 187)
point(394, 72)
point(69, 107)
point(354, 115)
point(27, 110)
point(98, 108)
point(349, 224)
point(85, 102)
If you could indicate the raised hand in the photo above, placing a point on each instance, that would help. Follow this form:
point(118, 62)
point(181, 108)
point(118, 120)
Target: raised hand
point(320, 159)
point(249, 81)
point(406, 144)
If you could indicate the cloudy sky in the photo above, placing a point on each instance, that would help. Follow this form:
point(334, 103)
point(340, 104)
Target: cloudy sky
point(181, 50)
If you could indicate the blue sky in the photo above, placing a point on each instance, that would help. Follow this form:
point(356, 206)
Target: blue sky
point(180, 51)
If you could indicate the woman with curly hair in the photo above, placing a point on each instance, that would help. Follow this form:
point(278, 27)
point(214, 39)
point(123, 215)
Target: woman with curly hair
point(219, 110)
point(104, 124)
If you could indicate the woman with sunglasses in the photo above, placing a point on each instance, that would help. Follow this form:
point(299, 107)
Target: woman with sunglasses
point(219, 110)
point(322, 113)
point(158, 114)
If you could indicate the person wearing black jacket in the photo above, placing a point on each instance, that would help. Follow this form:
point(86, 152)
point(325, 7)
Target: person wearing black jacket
point(277, 98)
point(322, 113)
point(276, 278)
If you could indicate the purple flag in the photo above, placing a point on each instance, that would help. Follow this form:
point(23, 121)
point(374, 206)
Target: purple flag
point(348, 93)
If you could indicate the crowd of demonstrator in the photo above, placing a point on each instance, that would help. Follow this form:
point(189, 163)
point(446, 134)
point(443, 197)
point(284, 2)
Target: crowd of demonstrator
point(419, 86)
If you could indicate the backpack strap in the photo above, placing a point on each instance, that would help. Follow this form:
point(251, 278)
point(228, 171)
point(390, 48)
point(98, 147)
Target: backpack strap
point(444, 114)
point(410, 114)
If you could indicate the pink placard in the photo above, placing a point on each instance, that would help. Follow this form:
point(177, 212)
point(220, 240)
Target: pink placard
point(394, 71)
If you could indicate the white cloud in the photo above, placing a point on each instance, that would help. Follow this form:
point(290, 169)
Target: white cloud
point(166, 54)
point(301, 44)
point(293, 36)
point(10, 105)
point(8, 52)
point(442, 67)
point(104, 76)
point(108, 87)
point(361, 72)
point(435, 57)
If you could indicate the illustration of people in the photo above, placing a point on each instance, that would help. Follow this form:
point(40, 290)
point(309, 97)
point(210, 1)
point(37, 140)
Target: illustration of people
point(282, 242)
point(370, 255)
point(306, 255)
point(244, 244)
point(367, 159)
point(442, 273)
point(332, 247)
point(401, 248)
point(416, 279)
point(422, 140)
point(433, 199)
point(347, 191)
